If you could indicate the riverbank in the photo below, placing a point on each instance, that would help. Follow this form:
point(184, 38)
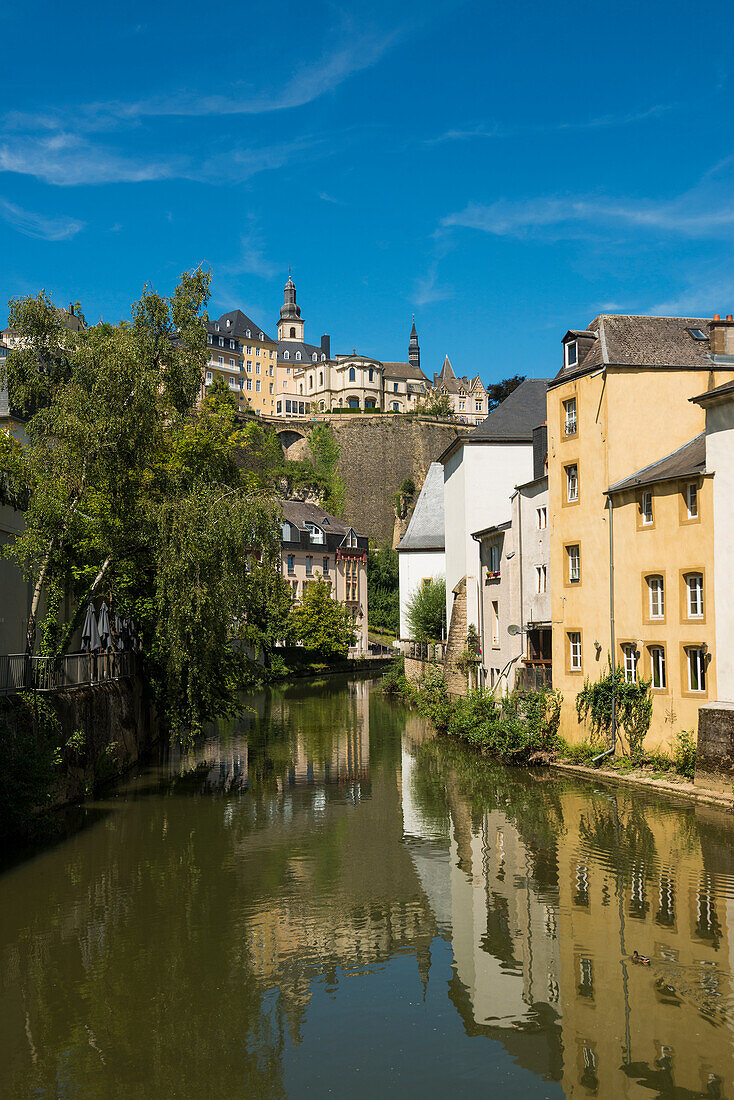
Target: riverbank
point(677, 787)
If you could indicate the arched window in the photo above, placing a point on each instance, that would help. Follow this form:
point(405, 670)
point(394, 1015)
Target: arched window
point(300, 388)
point(286, 355)
point(321, 378)
point(298, 355)
point(323, 358)
point(310, 381)
point(293, 333)
point(314, 357)
point(247, 332)
point(352, 374)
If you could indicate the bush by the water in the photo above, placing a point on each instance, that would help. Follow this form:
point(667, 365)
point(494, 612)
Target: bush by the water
point(521, 728)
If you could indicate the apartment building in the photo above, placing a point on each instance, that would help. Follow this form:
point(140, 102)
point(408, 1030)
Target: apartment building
point(245, 357)
point(422, 549)
point(316, 544)
point(631, 514)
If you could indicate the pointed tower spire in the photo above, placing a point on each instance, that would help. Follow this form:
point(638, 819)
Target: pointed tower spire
point(290, 325)
point(414, 351)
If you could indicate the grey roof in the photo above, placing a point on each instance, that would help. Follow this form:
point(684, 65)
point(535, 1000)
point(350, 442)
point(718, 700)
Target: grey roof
point(299, 513)
point(402, 370)
point(495, 529)
point(292, 346)
point(238, 328)
point(514, 419)
point(688, 460)
point(426, 527)
point(714, 395)
point(631, 340)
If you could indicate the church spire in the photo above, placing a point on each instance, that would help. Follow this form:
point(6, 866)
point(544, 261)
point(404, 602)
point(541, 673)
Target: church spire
point(414, 351)
point(290, 325)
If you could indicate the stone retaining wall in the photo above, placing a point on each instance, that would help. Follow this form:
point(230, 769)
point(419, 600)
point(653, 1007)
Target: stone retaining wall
point(715, 754)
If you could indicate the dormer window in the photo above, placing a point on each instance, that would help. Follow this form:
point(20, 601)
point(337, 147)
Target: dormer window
point(314, 357)
point(247, 333)
point(229, 321)
point(262, 337)
point(286, 355)
point(231, 344)
point(216, 325)
point(298, 355)
point(572, 353)
point(323, 358)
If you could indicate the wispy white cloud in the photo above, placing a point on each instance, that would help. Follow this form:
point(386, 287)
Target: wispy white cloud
point(499, 130)
point(687, 215)
point(252, 259)
point(330, 198)
point(68, 160)
point(710, 293)
point(39, 225)
point(426, 289)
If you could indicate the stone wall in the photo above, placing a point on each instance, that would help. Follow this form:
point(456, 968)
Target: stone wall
point(377, 454)
point(457, 681)
point(715, 753)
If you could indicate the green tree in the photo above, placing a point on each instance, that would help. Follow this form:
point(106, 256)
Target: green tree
point(325, 451)
point(498, 391)
point(131, 496)
point(321, 624)
point(426, 611)
point(383, 589)
point(437, 404)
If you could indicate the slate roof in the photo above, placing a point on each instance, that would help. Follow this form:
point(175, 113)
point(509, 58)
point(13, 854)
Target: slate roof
point(299, 512)
point(240, 324)
point(688, 460)
point(514, 419)
point(446, 379)
point(292, 346)
point(426, 527)
point(630, 340)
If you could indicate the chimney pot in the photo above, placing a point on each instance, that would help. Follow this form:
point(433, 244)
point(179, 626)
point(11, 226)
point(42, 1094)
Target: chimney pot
point(729, 317)
point(717, 317)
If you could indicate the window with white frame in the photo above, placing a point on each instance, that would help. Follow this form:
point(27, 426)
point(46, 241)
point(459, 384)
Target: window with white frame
point(209, 339)
point(494, 558)
point(541, 578)
point(630, 654)
point(692, 500)
point(495, 622)
point(257, 386)
point(220, 360)
point(221, 341)
point(574, 564)
point(249, 383)
point(657, 666)
point(571, 353)
point(656, 597)
point(646, 508)
point(694, 595)
point(574, 650)
point(208, 376)
point(696, 663)
point(572, 483)
point(569, 419)
point(541, 518)
point(232, 363)
point(298, 355)
point(352, 374)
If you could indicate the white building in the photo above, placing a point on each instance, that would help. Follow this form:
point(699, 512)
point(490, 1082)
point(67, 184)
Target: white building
point(480, 472)
point(422, 553)
point(514, 588)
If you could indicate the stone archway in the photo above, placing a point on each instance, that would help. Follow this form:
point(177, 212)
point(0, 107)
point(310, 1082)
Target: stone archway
point(294, 444)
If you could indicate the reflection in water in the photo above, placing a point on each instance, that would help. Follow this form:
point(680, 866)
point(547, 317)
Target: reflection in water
point(324, 897)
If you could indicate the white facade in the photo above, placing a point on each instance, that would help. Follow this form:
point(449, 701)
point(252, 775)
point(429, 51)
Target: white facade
point(415, 567)
point(720, 462)
point(479, 479)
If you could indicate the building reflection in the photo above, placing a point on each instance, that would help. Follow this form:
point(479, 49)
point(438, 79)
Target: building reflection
point(543, 960)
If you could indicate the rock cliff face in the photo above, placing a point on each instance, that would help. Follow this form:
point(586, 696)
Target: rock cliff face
point(377, 453)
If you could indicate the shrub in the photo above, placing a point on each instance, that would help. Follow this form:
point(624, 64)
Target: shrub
point(633, 703)
point(426, 611)
point(684, 754)
point(580, 752)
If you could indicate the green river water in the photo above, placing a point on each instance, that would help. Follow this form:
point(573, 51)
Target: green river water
point(324, 899)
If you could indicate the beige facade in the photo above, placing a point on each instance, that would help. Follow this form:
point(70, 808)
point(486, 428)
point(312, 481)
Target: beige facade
point(607, 420)
point(245, 358)
point(469, 398)
point(314, 545)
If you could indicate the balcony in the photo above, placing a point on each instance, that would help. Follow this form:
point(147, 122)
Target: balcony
point(534, 675)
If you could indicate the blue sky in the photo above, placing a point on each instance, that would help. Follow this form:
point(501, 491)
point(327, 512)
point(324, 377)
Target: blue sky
point(504, 171)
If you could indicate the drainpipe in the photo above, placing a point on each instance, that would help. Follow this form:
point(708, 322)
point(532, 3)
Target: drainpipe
point(523, 639)
point(610, 751)
point(481, 612)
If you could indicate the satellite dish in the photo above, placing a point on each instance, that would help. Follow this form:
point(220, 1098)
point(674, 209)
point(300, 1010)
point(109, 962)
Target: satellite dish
point(513, 628)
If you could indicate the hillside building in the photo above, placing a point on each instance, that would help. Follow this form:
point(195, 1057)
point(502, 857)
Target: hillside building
point(245, 357)
point(316, 544)
point(468, 395)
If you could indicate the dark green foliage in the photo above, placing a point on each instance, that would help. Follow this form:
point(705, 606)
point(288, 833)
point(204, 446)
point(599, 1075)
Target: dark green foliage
point(436, 404)
point(383, 590)
point(521, 728)
point(633, 703)
point(426, 611)
point(408, 487)
point(498, 391)
point(29, 761)
point(325, 451)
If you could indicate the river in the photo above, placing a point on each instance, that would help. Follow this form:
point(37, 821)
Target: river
point(324, 899)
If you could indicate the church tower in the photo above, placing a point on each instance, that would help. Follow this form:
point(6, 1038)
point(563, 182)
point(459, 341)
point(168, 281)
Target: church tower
point(290, 325)
point(414, 351)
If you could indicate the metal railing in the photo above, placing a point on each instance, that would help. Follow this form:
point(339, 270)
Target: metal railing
point(532, 677)
point(424, 651)
point(18, 672)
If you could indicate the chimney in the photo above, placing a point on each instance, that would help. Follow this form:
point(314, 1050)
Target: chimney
point(326, 346)
point(722, 335)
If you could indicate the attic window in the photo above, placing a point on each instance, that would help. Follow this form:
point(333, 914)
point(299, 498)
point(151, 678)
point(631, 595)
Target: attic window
point(572, 353)
point(247, 332)
point(698, 334)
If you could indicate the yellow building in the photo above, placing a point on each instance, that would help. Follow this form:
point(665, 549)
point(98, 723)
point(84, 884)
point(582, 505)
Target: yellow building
point(620, 405)
point(245, 358)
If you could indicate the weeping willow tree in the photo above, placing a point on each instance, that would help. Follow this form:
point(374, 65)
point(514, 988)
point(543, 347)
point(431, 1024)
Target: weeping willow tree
point(130, 495)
